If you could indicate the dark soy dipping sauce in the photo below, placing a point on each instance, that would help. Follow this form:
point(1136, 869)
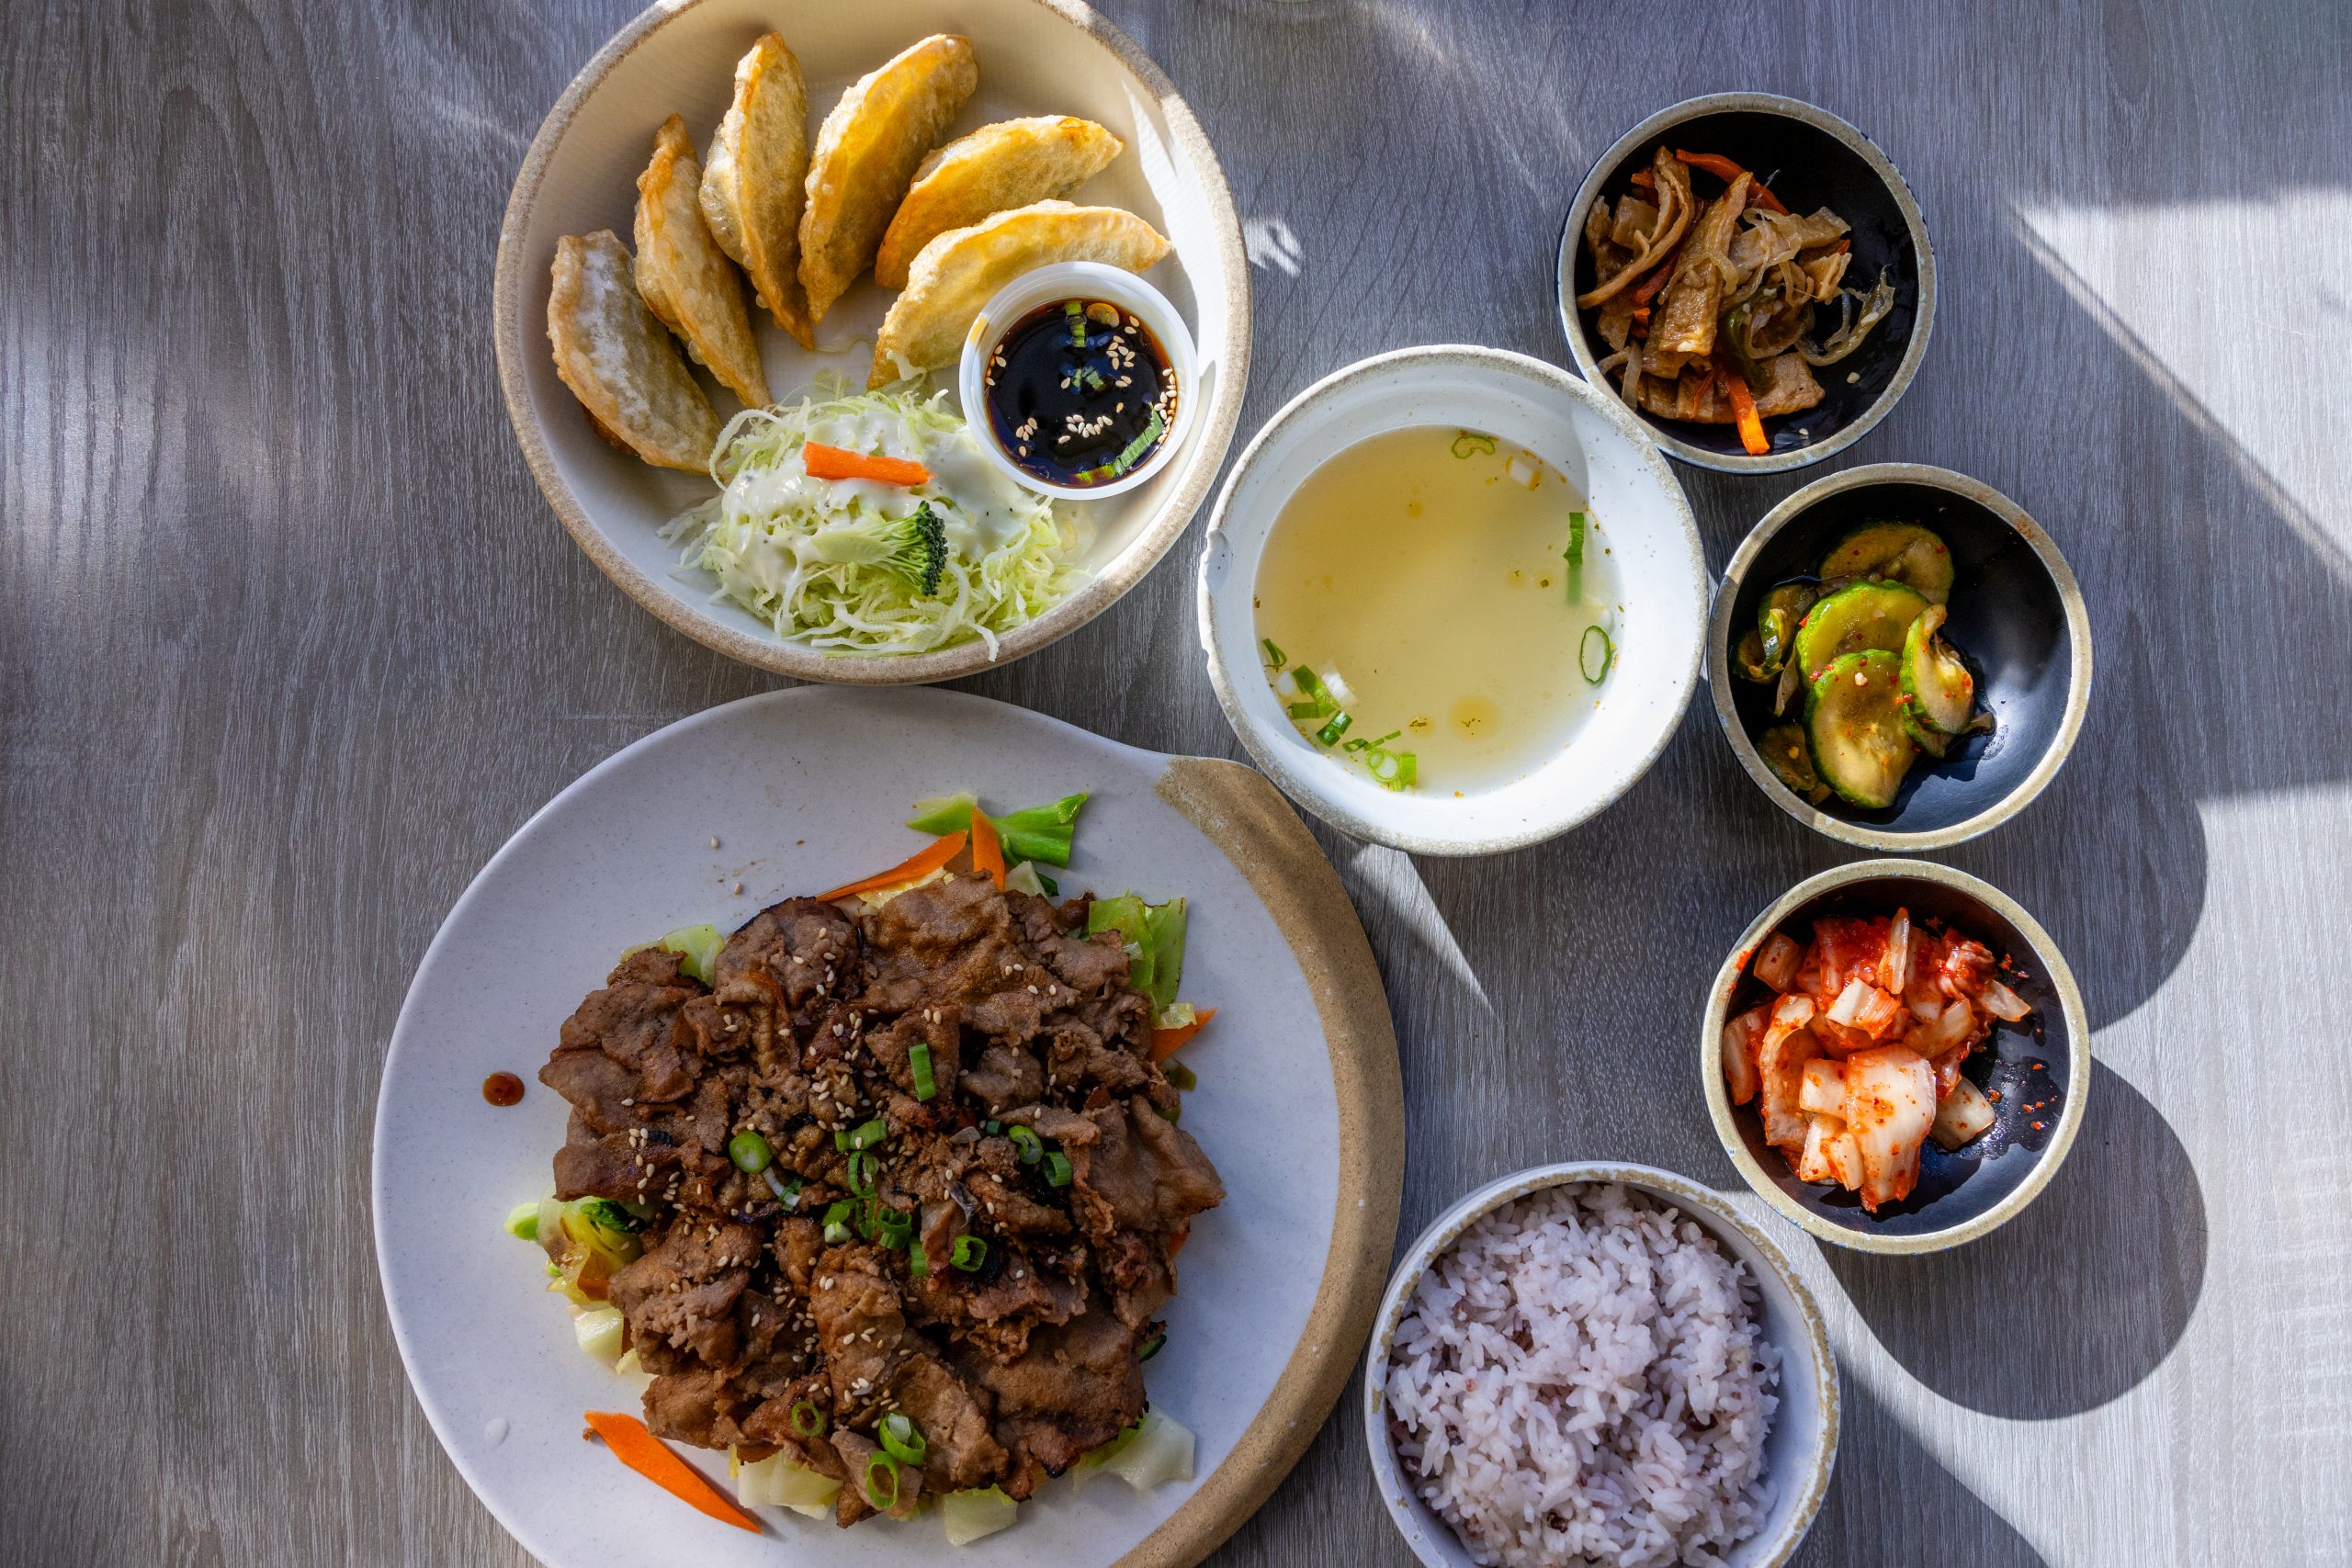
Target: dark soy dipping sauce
point(1080, 393)
point(503, 1089)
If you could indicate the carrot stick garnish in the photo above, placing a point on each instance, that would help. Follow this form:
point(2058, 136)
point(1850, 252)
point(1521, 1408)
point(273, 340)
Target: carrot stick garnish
point(652, 1459)
point(988, 849)
point(907, 870)
point(1743, 409)
point(825, 462)
point(1166, 1043)
point(1646, 290)
point(1643, 178)
point(1723, 169)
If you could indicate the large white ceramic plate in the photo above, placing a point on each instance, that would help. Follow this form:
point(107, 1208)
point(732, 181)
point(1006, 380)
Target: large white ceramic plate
point(1298, 1104)
point(1035, 57)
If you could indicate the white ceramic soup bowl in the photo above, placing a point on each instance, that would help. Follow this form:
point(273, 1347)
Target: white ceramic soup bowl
point(1597, 445)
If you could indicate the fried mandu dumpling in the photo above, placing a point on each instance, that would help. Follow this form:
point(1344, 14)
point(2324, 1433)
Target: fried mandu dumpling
point(685, 276)
point(867, 151)
point(957, 273)
point(619, 362)
point(1010, 163)
point(753, 184)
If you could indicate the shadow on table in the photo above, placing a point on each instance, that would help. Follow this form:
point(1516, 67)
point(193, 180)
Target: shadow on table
point(1891, 1501)
point(2075, 1301)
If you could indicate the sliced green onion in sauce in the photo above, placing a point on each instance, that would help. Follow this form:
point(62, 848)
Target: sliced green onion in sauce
point(1150, 1347)
point(837, 1221)
point(993, 1128)
point(1182, 1076)
point(918, 1261)
point(968, 1253)
point(869, 1133)
point(1052, 889)
point(860, 1175)
point(750, 1152)
point(1306, 710)
point(787, 1192)
point(901, 1438)
point(1057, 1169)
point(1608, 655)
point(1329, 734)
point(884, 1465)
point(918, 1064)
point(1026, 1144)
point(892, 1227)
point(1274, 656)
point(1470, 443)
point(807, 1420)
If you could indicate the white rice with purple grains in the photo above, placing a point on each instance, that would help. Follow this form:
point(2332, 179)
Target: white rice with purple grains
point(1582, 1377)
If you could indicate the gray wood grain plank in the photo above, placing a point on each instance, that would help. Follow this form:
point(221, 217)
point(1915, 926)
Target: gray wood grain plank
point(289, 644)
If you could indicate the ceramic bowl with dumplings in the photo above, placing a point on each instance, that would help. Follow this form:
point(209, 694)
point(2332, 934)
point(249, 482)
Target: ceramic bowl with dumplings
point(1034, 58)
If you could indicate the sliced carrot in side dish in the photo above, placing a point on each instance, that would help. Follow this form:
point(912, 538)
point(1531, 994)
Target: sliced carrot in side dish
point(1166, 1043)
point(1743, 409)
point(1643, 178)
point(988, 849)
point(907, 870)
point(825, 462)
point(651, 1457)
point(1723, 169)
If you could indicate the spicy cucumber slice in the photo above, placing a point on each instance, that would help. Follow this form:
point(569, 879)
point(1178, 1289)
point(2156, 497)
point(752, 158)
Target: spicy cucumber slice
point(1786, 753)
point(1894, 552)
point(1781, 610)
point(1862, 616)
point(1938, 691)
point(1854, 717)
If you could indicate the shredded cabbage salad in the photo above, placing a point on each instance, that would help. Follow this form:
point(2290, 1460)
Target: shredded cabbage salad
point(823, 561)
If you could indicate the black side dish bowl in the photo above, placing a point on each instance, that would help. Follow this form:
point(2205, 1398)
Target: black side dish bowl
point(2017, 619)
point(2040, 1068)
point(1811, 159)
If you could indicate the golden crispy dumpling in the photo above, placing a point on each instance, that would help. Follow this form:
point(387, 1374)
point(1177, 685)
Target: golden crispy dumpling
point(1010, 164)
point(624, 370)
point(957, 272)
point(685, 275)
point(754, 184)
point(867, 153)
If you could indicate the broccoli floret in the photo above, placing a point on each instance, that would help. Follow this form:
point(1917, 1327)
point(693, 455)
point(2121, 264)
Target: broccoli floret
point(912, 548)
point(918, 549)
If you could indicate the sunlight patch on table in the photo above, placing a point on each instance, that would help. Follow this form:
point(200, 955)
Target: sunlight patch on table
point(2242, 310)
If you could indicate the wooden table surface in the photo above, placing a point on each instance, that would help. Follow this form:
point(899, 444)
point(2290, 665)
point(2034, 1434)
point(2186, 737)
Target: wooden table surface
point(289, 644)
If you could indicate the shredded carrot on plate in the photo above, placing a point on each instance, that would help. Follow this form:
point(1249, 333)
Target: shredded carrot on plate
point(921, 865)
point(825, 462)
point(1166, 1043)
point(651, 1457)
point(988, 849)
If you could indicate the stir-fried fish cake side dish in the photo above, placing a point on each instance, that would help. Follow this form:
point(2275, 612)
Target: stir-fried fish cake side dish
point(1711, 306)
point(885, 1191)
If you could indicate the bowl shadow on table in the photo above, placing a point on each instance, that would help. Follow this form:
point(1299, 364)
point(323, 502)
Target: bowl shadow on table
point(1994, 1327)
point(1891, 1501)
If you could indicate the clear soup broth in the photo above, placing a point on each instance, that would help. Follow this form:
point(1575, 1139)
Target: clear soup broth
point(1419, 586)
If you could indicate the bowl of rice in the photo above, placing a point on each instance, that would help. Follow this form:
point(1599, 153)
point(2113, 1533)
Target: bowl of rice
point(1600, 1363)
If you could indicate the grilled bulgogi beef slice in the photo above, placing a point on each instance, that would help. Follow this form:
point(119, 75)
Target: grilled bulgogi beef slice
point(1077, 1385)
point(681, 1294)
point(633, 1019)
point(1011, 1368)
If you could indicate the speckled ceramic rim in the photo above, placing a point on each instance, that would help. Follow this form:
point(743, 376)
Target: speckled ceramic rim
point(1302, 789)
point(2052, 962)
point(1923, 319)
point(517, 337)
point(2078, 676)
point(1701, 1205)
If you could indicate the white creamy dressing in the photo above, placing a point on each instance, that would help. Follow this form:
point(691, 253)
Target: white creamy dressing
point(973, 501)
